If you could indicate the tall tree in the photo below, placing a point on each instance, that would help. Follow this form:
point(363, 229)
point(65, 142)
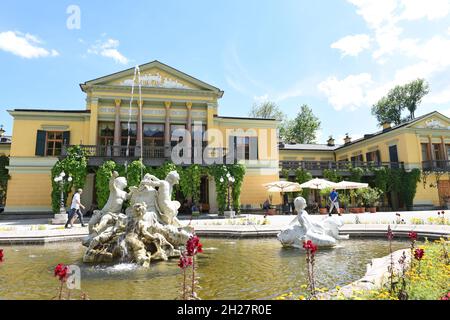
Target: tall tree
point(302, 129)
point(413, 93)
point(389, 108)
point(267, 110)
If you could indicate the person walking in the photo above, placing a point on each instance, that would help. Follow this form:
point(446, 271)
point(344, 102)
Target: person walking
point(334, 198)
point(75, 209)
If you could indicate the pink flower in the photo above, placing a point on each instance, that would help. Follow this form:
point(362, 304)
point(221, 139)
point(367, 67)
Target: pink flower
point(1, 255)
point(184, 262)
point(418, 254)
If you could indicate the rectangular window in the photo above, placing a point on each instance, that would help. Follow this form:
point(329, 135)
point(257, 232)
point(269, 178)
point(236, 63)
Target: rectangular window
point(54, 143)
point(153, 136)
point(425, 154)
point(373, 156)
point(246, 148)
point(180, 130)
point(357, 159)
point(448, 151)
point(106, 133)
point(125, 133)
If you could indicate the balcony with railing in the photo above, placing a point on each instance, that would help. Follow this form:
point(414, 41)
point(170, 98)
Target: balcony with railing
point(151, 155)
point(436, 165)
point(317, 167)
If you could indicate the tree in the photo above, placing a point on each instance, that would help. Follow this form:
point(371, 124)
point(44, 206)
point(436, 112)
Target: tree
point(303, 129)
point(267, 110)
point(389, 108)
point(413, 93)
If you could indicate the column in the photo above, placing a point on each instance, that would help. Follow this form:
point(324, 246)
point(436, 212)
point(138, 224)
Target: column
point(93, 125)
point(117, 128)
point(189, 117)
point(444, 149)
point(430, 143)
point(167, 104)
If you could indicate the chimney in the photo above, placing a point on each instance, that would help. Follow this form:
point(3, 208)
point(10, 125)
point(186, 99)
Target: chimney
point(330, 141)
point(347, 139)
point(387, 126)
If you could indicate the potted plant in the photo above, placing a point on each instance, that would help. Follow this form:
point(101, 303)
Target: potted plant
point(357, 194)
point(344, 201)
point(324, 193)
point(323, 206)
point(371, 197)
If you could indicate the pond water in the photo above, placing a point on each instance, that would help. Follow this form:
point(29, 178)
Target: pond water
point(228, 269)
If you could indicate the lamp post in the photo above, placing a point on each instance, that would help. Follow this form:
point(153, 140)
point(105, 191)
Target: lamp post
point(230, 181)
point(61, 180)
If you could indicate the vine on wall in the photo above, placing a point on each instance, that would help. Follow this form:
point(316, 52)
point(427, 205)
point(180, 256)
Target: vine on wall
point(332, 175)
point(74, 165)
point(102, 176)
point(4, 177)
point(238, 172)
point(408, 188)
point(190, 179)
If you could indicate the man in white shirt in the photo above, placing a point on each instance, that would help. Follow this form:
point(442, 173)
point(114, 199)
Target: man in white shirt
point(75, 209)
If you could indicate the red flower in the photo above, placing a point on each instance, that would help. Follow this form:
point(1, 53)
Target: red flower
point(1, 255)
point(185, 262)
point(61, 271)
point(418, 254)
point(412, 235)
point(446, 297)
point(193, 246)
point(310, 246)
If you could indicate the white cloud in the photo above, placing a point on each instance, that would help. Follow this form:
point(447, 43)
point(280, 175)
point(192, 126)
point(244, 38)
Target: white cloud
point(261, 99)
point(108, 49)
point(440, 97)
point(24, 45)
point(419, 9)
point(349, 92)
point(409, 57)
point(352, 45)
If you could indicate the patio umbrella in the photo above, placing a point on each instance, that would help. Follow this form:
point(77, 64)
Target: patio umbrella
point(346, 185)
point(282, 186)
point(318, 184)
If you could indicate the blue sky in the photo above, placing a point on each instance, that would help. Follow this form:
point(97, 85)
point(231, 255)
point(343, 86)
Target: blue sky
point(338, 56)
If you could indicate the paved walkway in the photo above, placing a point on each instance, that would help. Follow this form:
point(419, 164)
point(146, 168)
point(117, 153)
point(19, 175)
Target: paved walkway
point(357, 225)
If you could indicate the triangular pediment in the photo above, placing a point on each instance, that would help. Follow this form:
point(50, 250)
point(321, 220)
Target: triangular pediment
point(154, 75)
point(434, 120)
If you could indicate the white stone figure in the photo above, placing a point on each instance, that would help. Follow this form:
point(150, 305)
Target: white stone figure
point(168, 208)
point(109, 214)
point(149, 230)
point(302, 228)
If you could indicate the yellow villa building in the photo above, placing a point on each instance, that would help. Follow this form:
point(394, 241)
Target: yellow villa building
point(422, 143)
point(115, 124)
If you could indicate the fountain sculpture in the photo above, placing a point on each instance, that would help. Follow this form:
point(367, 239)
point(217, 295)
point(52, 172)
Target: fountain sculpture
point(148, 230)
point(302, 228)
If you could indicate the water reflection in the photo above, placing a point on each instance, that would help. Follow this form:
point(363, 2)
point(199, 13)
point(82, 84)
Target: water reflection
point(241, 269)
